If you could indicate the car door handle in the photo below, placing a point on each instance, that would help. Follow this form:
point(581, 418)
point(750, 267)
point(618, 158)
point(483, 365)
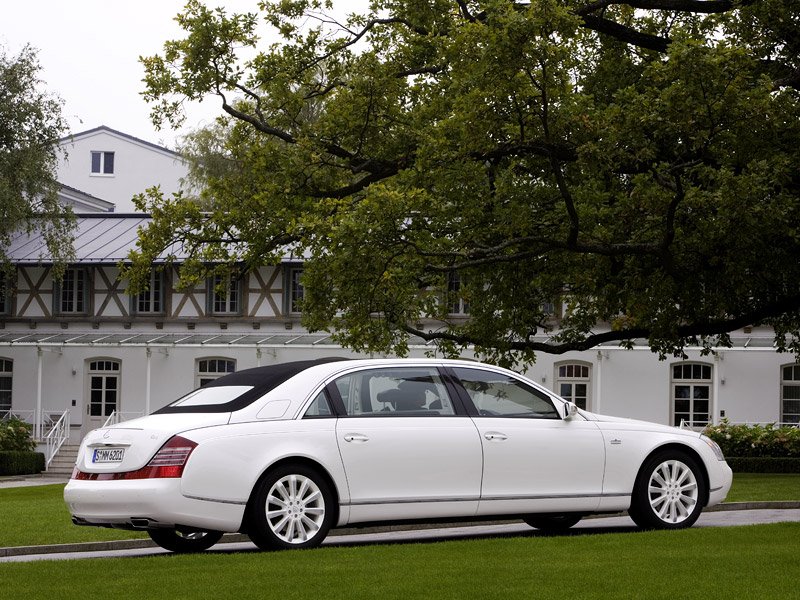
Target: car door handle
point(356, 437)
point(495, 436)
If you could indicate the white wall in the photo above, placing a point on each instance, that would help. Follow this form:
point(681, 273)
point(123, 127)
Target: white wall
point(137, 166)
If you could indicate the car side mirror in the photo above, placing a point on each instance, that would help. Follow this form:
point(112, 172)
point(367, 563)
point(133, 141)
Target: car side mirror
point(570, 410)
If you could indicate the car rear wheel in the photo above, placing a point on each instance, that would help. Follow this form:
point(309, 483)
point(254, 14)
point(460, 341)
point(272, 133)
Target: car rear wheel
point(292, 508)
point(669, 492)
point(183, 541)
point(553, 523)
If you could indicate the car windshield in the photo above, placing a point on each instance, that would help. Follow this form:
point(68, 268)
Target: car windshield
point(210, 396)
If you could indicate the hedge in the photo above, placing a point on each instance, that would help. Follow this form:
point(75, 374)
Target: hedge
point(756, 441)
point(20, 462)
point(762, 464)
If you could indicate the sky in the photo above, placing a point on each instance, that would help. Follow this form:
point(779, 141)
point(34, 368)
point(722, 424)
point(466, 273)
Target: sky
point(89, 51)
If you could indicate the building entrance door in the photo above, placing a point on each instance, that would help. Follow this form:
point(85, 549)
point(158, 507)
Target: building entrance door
point(103, 393)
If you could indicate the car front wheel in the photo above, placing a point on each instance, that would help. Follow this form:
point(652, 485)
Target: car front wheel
point(292, 508)
point(184, 541)
point(669, 492)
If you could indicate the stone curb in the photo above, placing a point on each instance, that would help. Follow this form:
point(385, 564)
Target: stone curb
point(229, 538)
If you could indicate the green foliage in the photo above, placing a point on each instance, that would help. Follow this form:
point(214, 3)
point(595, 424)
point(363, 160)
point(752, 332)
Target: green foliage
point(756, 441)
point(30, 127)
point(639, 165)
point(764, 464)
point(19, 462)
point(15, 435)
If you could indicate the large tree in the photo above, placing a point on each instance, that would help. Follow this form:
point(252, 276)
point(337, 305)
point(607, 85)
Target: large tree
point(31, 125)
point(637, 161)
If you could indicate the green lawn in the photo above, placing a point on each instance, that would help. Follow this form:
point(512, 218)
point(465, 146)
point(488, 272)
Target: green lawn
point(764, 487)
point(731, 562)
point(38, 515)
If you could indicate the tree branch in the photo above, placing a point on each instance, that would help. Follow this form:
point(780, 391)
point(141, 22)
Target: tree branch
point(689, 330)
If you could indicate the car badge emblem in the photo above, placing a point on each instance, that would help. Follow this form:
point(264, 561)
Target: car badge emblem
point(106, 435)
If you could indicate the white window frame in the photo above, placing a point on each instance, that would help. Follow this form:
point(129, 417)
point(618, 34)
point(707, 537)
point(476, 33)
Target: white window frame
point(105, 368)
point(6, 373)
point(573, 376)
point(225, 304)
point(456, 305)
point(105, 157)
point(293, 290)
point(155, 294)
point(78, 295)
point(693, 381)
point(794, 382)
point(209, 368)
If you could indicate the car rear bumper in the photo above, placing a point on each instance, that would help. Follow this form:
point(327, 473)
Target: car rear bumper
point(147, 503)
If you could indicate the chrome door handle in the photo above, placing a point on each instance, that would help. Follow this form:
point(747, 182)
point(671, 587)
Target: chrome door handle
point(495, 436)
point(356, 437)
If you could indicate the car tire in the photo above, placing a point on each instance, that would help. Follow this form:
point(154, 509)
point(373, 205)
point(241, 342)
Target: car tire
point(292, 508)
point(553, 523)
point(184, 541)
point(669, 492)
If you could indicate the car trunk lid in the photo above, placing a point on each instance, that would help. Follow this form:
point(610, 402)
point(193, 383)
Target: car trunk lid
point(130, 445)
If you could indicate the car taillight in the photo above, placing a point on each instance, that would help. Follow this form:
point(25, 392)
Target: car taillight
point(168, 462)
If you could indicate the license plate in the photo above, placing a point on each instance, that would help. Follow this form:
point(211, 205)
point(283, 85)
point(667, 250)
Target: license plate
point(108, 455)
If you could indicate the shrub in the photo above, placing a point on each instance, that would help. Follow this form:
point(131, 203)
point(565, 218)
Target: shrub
point(21, 462)
point(763, 464)
point(755, 441)
point(15, 435)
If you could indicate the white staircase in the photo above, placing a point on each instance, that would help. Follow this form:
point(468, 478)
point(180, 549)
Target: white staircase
point(63, 462)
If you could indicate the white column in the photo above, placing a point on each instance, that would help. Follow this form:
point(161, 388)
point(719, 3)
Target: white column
point(37, 414)
point(598, 394)
point(149, 353)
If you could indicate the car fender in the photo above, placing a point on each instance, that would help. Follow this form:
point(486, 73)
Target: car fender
point(228, 462)
point(628, 447)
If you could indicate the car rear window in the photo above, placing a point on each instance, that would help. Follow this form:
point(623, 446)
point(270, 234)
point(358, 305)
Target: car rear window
point(240, 389)
point(210, 396)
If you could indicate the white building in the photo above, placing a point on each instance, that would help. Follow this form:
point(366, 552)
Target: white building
point(84, 350)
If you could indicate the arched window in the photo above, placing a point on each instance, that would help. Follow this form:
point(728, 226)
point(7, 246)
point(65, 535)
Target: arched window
point(691, 393)
point(573, 382)
point(6, 372)
point(209, 369)
point(790, 393)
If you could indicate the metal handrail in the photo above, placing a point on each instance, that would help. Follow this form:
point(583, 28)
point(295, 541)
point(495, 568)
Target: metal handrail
point(112, 419)
point(118, 417)
point(55, 438)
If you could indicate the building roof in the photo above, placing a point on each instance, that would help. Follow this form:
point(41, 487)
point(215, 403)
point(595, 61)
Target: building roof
point(104, 129)
point(161, 338)
point(80, 199)
point(266, 339)
point(102, 238)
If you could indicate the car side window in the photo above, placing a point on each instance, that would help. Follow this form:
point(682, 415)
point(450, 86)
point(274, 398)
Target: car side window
point(499, 395)
point(403, 391)
point(320, 407)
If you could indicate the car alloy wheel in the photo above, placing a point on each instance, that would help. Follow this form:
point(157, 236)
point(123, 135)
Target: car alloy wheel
point(669, 492)
point(293, 508)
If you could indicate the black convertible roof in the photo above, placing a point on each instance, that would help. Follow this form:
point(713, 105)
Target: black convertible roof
point(260, 379)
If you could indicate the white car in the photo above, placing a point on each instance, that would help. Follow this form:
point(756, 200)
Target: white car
point(286, 452)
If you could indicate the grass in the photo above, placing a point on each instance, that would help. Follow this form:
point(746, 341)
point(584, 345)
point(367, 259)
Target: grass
point(731, 562)
point(37, 515)
point(764, 487)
